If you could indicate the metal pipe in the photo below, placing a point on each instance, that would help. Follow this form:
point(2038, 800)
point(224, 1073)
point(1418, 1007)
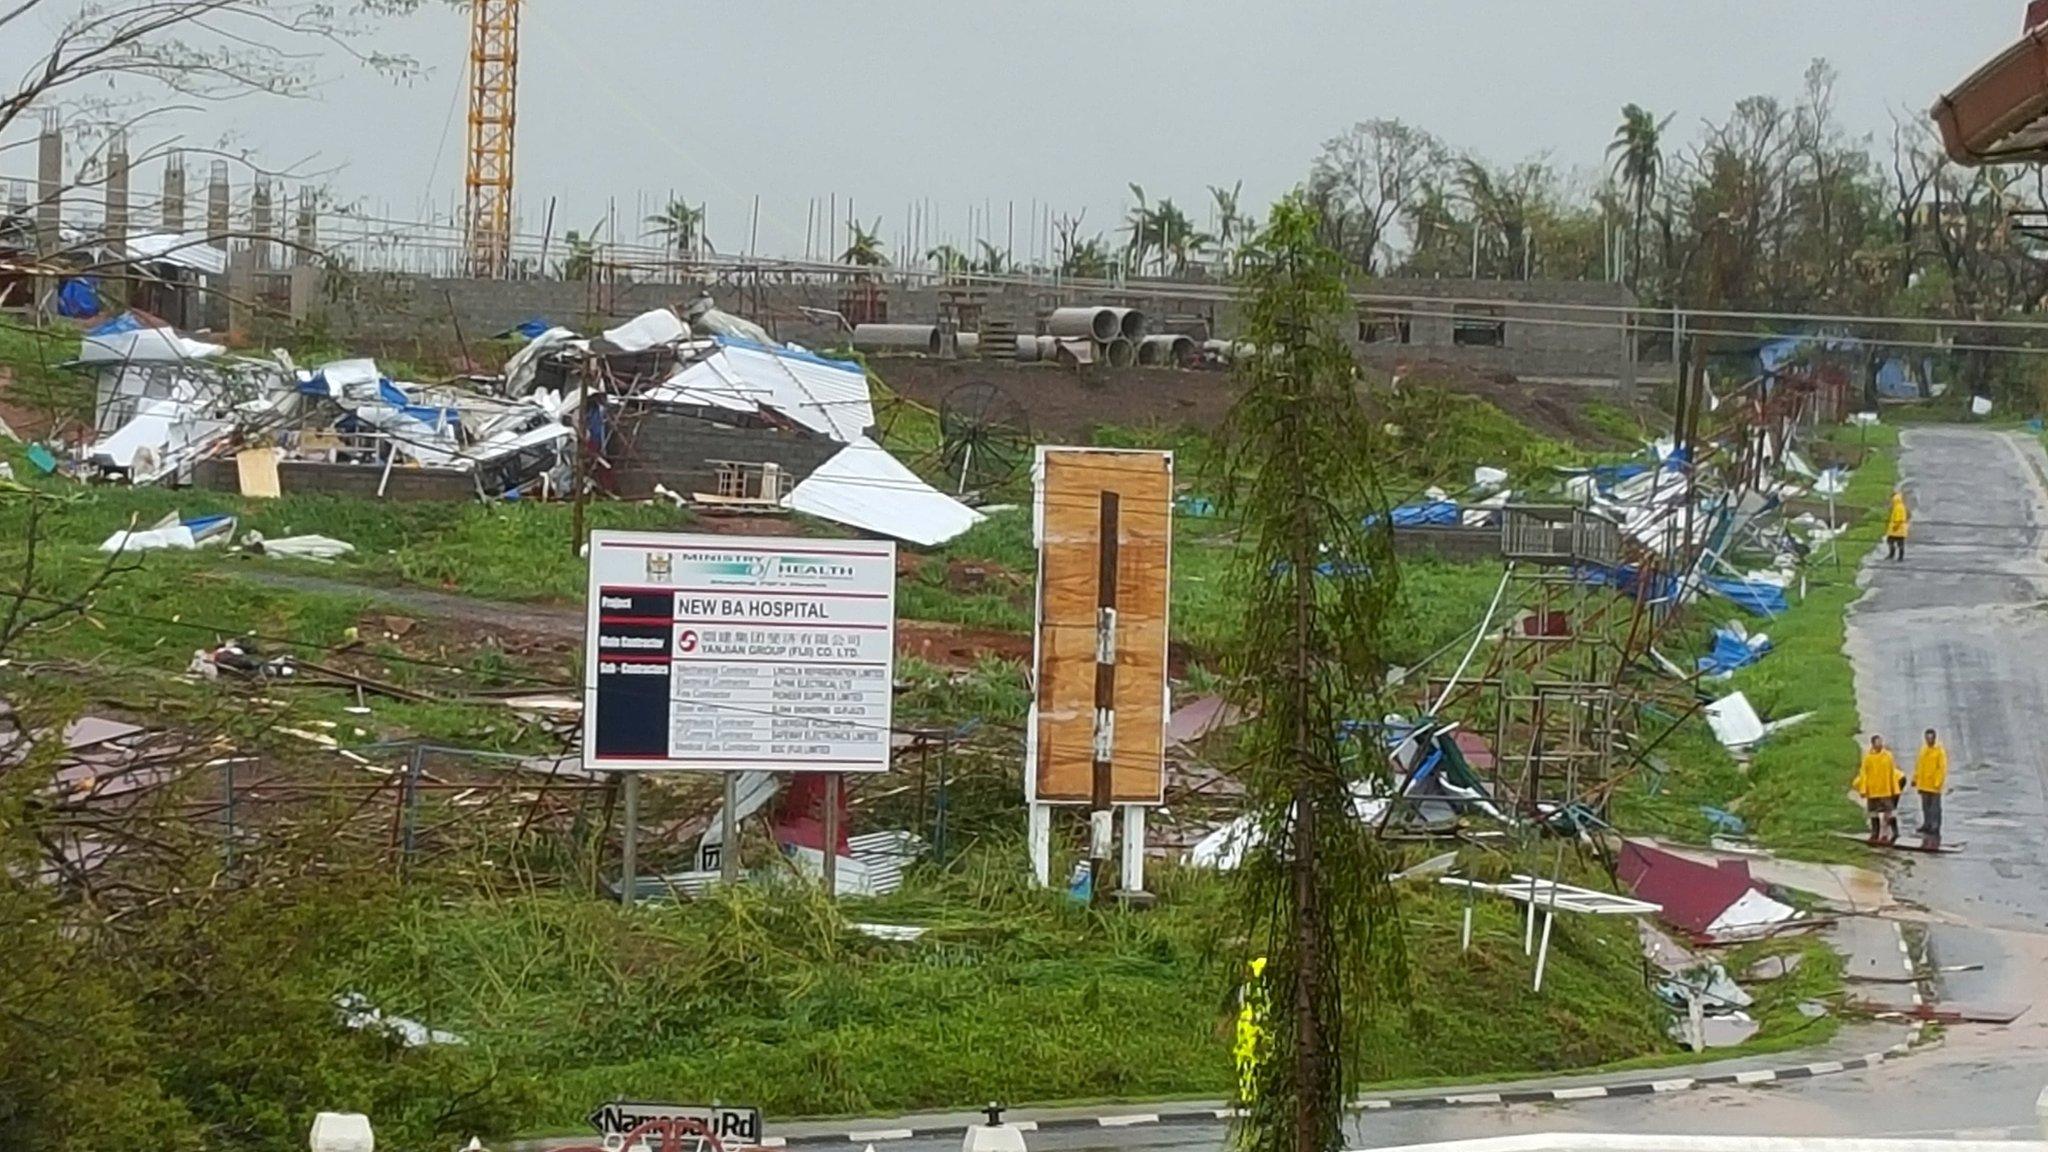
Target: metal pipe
point(1165, 350)
point(1092, 322)
point(1130, 323)
point(897, 338)
point(1119, 353)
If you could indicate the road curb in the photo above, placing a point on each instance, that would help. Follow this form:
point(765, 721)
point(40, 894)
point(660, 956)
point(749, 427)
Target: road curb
point(1667, 1085)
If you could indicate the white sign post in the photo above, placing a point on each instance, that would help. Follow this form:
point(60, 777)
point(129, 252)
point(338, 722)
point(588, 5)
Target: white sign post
point(732, 654)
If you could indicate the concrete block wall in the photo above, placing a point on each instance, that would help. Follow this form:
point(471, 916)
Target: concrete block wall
point(297, 477)
point(1542, 335)
point(1456, 545)
point(670, 447)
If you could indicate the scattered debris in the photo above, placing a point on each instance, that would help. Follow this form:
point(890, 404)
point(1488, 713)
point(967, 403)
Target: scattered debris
point(1708, 902)
point(322, 548)
point(357, 1013)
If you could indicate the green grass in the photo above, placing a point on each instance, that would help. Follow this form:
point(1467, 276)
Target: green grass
point(1013, 995)
point(1791, 794)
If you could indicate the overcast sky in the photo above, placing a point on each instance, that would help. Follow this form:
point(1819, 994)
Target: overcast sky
point(961, 102)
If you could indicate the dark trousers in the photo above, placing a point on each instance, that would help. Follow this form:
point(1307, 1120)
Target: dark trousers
point(1884, 818)
point(1930, 815)
point(1895, 547)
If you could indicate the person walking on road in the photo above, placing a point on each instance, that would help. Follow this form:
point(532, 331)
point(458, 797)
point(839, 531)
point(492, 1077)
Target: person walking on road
point(1879, 782)
point(1930, 779)
point(1895, 527)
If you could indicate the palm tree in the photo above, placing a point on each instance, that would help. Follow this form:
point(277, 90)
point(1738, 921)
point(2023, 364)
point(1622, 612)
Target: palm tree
point(582, 254)
point(1175, 236)
point(864, 245)
point(949, 259)
point(1143, 228)
point(1638, 158)
point(1233, 227)
point(683, 225)
point(994, 260)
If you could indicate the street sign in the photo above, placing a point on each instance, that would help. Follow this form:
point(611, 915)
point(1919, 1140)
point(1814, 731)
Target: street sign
point(732, 654)
point(734, 1127)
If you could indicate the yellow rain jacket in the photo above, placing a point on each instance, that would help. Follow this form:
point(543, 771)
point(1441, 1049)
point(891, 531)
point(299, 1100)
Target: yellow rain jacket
point(1930, 771)
point(1878, 776)
point(1895, 520)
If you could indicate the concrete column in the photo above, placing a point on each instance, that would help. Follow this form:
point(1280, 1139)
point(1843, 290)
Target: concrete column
point(241, 291)
point(173, 206)
point(115, 285)
point(217, 205)
point(307, 229)
point(116, 221)
point(305, 290)
point(260, 223)
point(49, 184)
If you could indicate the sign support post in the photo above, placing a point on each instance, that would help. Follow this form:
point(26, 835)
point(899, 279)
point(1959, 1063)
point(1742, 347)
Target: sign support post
point(729, 832)
point(1101, 780)
point(831, 840)
point(629, 847)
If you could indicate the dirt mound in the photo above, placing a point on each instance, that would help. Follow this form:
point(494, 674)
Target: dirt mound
point(958, 647)
point(1559, 411)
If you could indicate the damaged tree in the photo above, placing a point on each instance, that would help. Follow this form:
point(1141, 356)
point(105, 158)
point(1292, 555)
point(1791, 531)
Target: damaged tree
point(1318, 582)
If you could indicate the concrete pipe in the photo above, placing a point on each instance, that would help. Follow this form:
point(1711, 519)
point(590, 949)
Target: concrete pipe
point(1091, 322)
point(1027, 349)
point(897, 338)
point(1193, 327)
point(1165, 350)
point(967, 343)
point(1048, 347)
point(1119, 353)
point(1130, 324)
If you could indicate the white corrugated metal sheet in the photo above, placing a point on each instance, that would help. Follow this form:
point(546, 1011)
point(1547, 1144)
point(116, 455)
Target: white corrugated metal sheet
point(183, 250)
point(865, 487)
point(827, 396)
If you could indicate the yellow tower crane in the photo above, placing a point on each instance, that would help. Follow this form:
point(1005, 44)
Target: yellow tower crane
point(493, 110)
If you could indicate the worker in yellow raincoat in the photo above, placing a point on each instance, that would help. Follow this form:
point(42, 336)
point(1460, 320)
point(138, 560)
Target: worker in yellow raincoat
point(1930, 779)
point(1250, 1048)
point(1895, 520)
point(1879, 782)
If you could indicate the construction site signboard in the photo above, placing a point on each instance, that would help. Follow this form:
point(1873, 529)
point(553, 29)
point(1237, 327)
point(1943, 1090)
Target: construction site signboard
point(732, 654)
point(1103, 519)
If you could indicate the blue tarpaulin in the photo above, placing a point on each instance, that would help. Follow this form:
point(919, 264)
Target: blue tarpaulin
point(1758, 596)
point(1627, 578)
point(430, 416)
point(78, 298)
point(1440, 513)
point(125, 322)
point(534, 327)
point(1731, 651)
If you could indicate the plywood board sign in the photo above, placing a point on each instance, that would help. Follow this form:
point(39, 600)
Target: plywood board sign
point(1072, 488)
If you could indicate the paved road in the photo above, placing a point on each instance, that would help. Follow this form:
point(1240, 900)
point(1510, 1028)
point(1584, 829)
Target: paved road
point(1956, 638)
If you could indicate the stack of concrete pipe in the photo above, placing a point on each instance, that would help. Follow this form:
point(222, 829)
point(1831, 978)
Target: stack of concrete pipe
point(897, 338)
point(1165, 351)
point(968, 344)
point(1114, 332)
